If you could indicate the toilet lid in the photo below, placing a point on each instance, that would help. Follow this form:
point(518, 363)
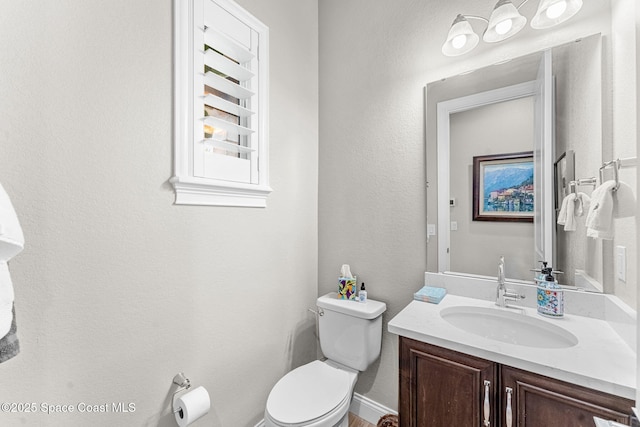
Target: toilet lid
point(308, 392)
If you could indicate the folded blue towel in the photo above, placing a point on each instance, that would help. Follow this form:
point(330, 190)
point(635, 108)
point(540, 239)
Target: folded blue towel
point(430, 294)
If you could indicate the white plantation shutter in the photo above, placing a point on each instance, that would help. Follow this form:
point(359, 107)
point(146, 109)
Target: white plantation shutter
point(225, 152)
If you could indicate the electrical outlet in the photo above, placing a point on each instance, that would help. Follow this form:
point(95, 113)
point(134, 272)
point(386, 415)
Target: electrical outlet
point(621, 263)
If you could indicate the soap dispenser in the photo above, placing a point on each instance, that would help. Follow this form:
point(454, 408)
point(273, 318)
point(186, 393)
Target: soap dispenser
point(550, 294)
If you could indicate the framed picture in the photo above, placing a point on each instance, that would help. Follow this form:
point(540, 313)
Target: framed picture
point(503, 187)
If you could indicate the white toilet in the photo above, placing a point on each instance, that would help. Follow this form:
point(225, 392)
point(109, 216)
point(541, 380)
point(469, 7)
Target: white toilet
point(319, 393)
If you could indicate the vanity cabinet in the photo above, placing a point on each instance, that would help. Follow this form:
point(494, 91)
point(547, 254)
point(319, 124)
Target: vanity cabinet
point(442, 388)
point(542, 401)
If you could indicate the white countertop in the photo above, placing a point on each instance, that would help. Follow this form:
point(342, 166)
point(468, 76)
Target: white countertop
point(601, 360)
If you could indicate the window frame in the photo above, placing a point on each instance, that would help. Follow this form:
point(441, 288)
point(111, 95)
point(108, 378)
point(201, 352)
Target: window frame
point(191, 189)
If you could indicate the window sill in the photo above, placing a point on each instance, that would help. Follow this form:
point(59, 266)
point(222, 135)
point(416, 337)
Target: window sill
point(208, 192)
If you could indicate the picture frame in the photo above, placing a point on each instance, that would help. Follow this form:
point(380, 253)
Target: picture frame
point(503, 187)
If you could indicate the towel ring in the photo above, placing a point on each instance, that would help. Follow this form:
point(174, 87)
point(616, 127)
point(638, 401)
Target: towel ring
point(616, 168)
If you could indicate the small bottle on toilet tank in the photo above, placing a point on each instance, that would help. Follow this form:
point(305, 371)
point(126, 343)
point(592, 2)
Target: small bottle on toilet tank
point(362, 295)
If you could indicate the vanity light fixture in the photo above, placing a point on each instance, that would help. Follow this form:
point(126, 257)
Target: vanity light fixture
point(461, 38)
point(554, 12)
point(505, 22)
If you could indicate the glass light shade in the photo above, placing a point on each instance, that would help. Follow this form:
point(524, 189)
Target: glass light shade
point(552, 12)
point(505, 21)
point(461, 38)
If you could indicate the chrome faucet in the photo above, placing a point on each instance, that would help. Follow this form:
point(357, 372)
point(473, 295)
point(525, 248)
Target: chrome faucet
point(502, 293)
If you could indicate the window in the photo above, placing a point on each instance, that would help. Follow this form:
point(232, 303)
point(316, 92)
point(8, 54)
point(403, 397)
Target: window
point(221, 85)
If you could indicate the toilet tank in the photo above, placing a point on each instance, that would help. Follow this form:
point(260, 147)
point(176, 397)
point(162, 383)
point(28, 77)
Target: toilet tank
point(350, 331)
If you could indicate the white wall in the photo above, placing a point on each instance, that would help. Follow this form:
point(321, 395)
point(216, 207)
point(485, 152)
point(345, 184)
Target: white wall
point(504, 127)
point(372, 177)
point(624, 93)
point(118, 289)
point(637, 138)
point(375, 60)
point(577, 68)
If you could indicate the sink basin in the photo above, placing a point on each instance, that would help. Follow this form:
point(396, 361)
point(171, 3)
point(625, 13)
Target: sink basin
point(509, 327)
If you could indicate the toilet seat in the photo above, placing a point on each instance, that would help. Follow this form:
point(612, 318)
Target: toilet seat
point(311, 393)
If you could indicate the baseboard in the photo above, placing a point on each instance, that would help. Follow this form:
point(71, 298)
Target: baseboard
point(364, 408)
point(368, 410)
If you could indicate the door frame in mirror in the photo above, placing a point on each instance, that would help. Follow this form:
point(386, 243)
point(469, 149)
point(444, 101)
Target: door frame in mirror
point(444, 111)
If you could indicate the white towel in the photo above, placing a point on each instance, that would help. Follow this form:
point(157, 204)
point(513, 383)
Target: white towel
point(11, 237)
point(6, 299)
point(624, 202)
point(600, 216)
point(11, 243)
point(583, 203)
point(9, 344)
point(562, 216)
point(573, 205)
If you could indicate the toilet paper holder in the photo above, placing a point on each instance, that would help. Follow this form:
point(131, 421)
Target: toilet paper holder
point(183, 384)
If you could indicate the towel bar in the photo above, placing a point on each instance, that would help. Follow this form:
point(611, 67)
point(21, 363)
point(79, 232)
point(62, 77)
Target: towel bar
point(582, 181)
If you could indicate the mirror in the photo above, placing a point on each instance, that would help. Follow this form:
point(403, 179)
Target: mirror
point(494, 115)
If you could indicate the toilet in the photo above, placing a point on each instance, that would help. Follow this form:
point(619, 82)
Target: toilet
point(319, 393)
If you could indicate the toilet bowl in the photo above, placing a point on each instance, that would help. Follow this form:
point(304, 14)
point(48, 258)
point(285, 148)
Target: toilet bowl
point(317, 394)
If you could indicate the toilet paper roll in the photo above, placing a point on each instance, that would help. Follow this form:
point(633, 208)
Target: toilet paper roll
point(191, 406)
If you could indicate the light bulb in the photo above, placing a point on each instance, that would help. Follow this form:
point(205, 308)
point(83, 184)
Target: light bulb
point(503, 27)
point(556, 10)
point(459, 41)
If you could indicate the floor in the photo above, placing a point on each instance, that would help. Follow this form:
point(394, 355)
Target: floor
point(358, 422)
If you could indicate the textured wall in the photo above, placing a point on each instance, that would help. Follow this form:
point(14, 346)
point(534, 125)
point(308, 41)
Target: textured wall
point(118, 289)
point(505, 127)
point(625, 129)
point(637, 139)
point(375, 60)
point(577, 67)
point(371, 194)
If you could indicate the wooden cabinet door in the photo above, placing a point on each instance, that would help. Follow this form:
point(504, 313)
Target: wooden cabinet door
point(540, 401)
point(444, 388)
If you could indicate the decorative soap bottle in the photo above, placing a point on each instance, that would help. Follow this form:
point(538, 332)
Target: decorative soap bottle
point(550, 294)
